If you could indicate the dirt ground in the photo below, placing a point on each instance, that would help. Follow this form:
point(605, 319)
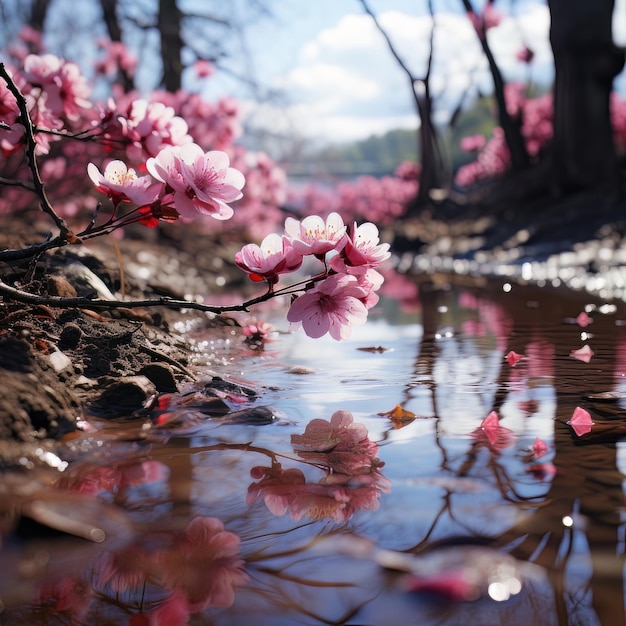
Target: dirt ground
point(57, 365)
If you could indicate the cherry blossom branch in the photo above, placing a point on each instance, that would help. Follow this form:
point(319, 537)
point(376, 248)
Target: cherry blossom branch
point(31, 145)
point(169, 303)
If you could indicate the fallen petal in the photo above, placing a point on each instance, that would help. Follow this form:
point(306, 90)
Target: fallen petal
point(583, 354)
point(513, 358)
point(581, 421)
point(491, 426)
point(539, 448)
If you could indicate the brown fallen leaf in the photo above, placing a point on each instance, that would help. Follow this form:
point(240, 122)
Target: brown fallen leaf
point(399, 416)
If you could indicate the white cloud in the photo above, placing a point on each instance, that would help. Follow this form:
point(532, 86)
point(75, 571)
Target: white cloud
point(346, 84)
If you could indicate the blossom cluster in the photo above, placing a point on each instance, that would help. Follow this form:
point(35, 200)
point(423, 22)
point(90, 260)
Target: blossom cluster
point(352, 479)
point(380, 200)
point(341, 295)
point(128, 127)
point(535, 115)
point(184, 182)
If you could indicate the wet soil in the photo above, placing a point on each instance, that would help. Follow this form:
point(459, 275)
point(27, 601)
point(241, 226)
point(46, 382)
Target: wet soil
point(58, 364)
point(521, 217)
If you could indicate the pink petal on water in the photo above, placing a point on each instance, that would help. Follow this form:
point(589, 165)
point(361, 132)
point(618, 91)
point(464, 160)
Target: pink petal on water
point(491, 426)
point(583, 354)
point(539, 448)
point(513, 358)
point(581, 421)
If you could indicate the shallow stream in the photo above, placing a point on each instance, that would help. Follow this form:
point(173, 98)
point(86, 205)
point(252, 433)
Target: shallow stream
point(449, 488)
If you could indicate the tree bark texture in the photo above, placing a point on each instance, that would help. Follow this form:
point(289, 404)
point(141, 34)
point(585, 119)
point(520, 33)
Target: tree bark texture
point(586, 63)
point(109, 14)
point(170, 24)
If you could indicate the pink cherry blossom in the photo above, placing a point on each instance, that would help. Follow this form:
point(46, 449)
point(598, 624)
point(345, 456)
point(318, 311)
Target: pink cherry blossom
point(583, 319)
point(314, 235)
point(258, 330)
point(513, 358)
point(332, 306)
point(581, 421)
point(66, 89)
point(201, 183)
point(341, 445)
point(274, 256)
point(122, 184)
point(473, 143)
point(583, 354)
point(257, 334)
point(362, 250)
point(151, 127)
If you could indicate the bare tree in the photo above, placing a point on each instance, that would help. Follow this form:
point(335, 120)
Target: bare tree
point(510, 126)
point(432, 162)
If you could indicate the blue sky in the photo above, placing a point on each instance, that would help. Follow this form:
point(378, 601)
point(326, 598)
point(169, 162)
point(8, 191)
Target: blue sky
point(341, 81)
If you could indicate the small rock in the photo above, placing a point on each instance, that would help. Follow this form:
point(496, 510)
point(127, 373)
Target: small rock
point(59, 286)
point(161, 376)
point(70, 336)
point(121, 398)
point(59, 361)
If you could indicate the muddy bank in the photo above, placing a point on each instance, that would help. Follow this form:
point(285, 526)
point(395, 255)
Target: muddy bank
point(55, 363)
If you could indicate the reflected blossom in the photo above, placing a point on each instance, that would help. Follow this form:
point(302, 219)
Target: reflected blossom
point(539, 448)
point(199, 567)
point(335, 497)
point(69, 595)
point(97, 479)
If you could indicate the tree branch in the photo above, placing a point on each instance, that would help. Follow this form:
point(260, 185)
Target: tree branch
point(60, 302)
point(31, 145)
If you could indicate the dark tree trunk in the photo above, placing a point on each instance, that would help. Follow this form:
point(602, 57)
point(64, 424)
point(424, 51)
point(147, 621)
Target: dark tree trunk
point(586, 63)
point(38, 13)
point(511, 127)
point(170, 24)
point(109, 14)
point(432, 170)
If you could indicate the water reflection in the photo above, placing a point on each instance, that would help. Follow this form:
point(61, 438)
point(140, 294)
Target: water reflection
point(497, 477)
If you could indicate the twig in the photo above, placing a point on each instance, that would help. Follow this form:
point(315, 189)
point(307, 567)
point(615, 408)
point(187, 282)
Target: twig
point(31, 251)
point(168, 303)
point(16, 183)
point(31, 145)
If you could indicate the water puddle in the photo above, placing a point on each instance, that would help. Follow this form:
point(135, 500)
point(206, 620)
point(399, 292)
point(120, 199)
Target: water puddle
point(461, 463)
